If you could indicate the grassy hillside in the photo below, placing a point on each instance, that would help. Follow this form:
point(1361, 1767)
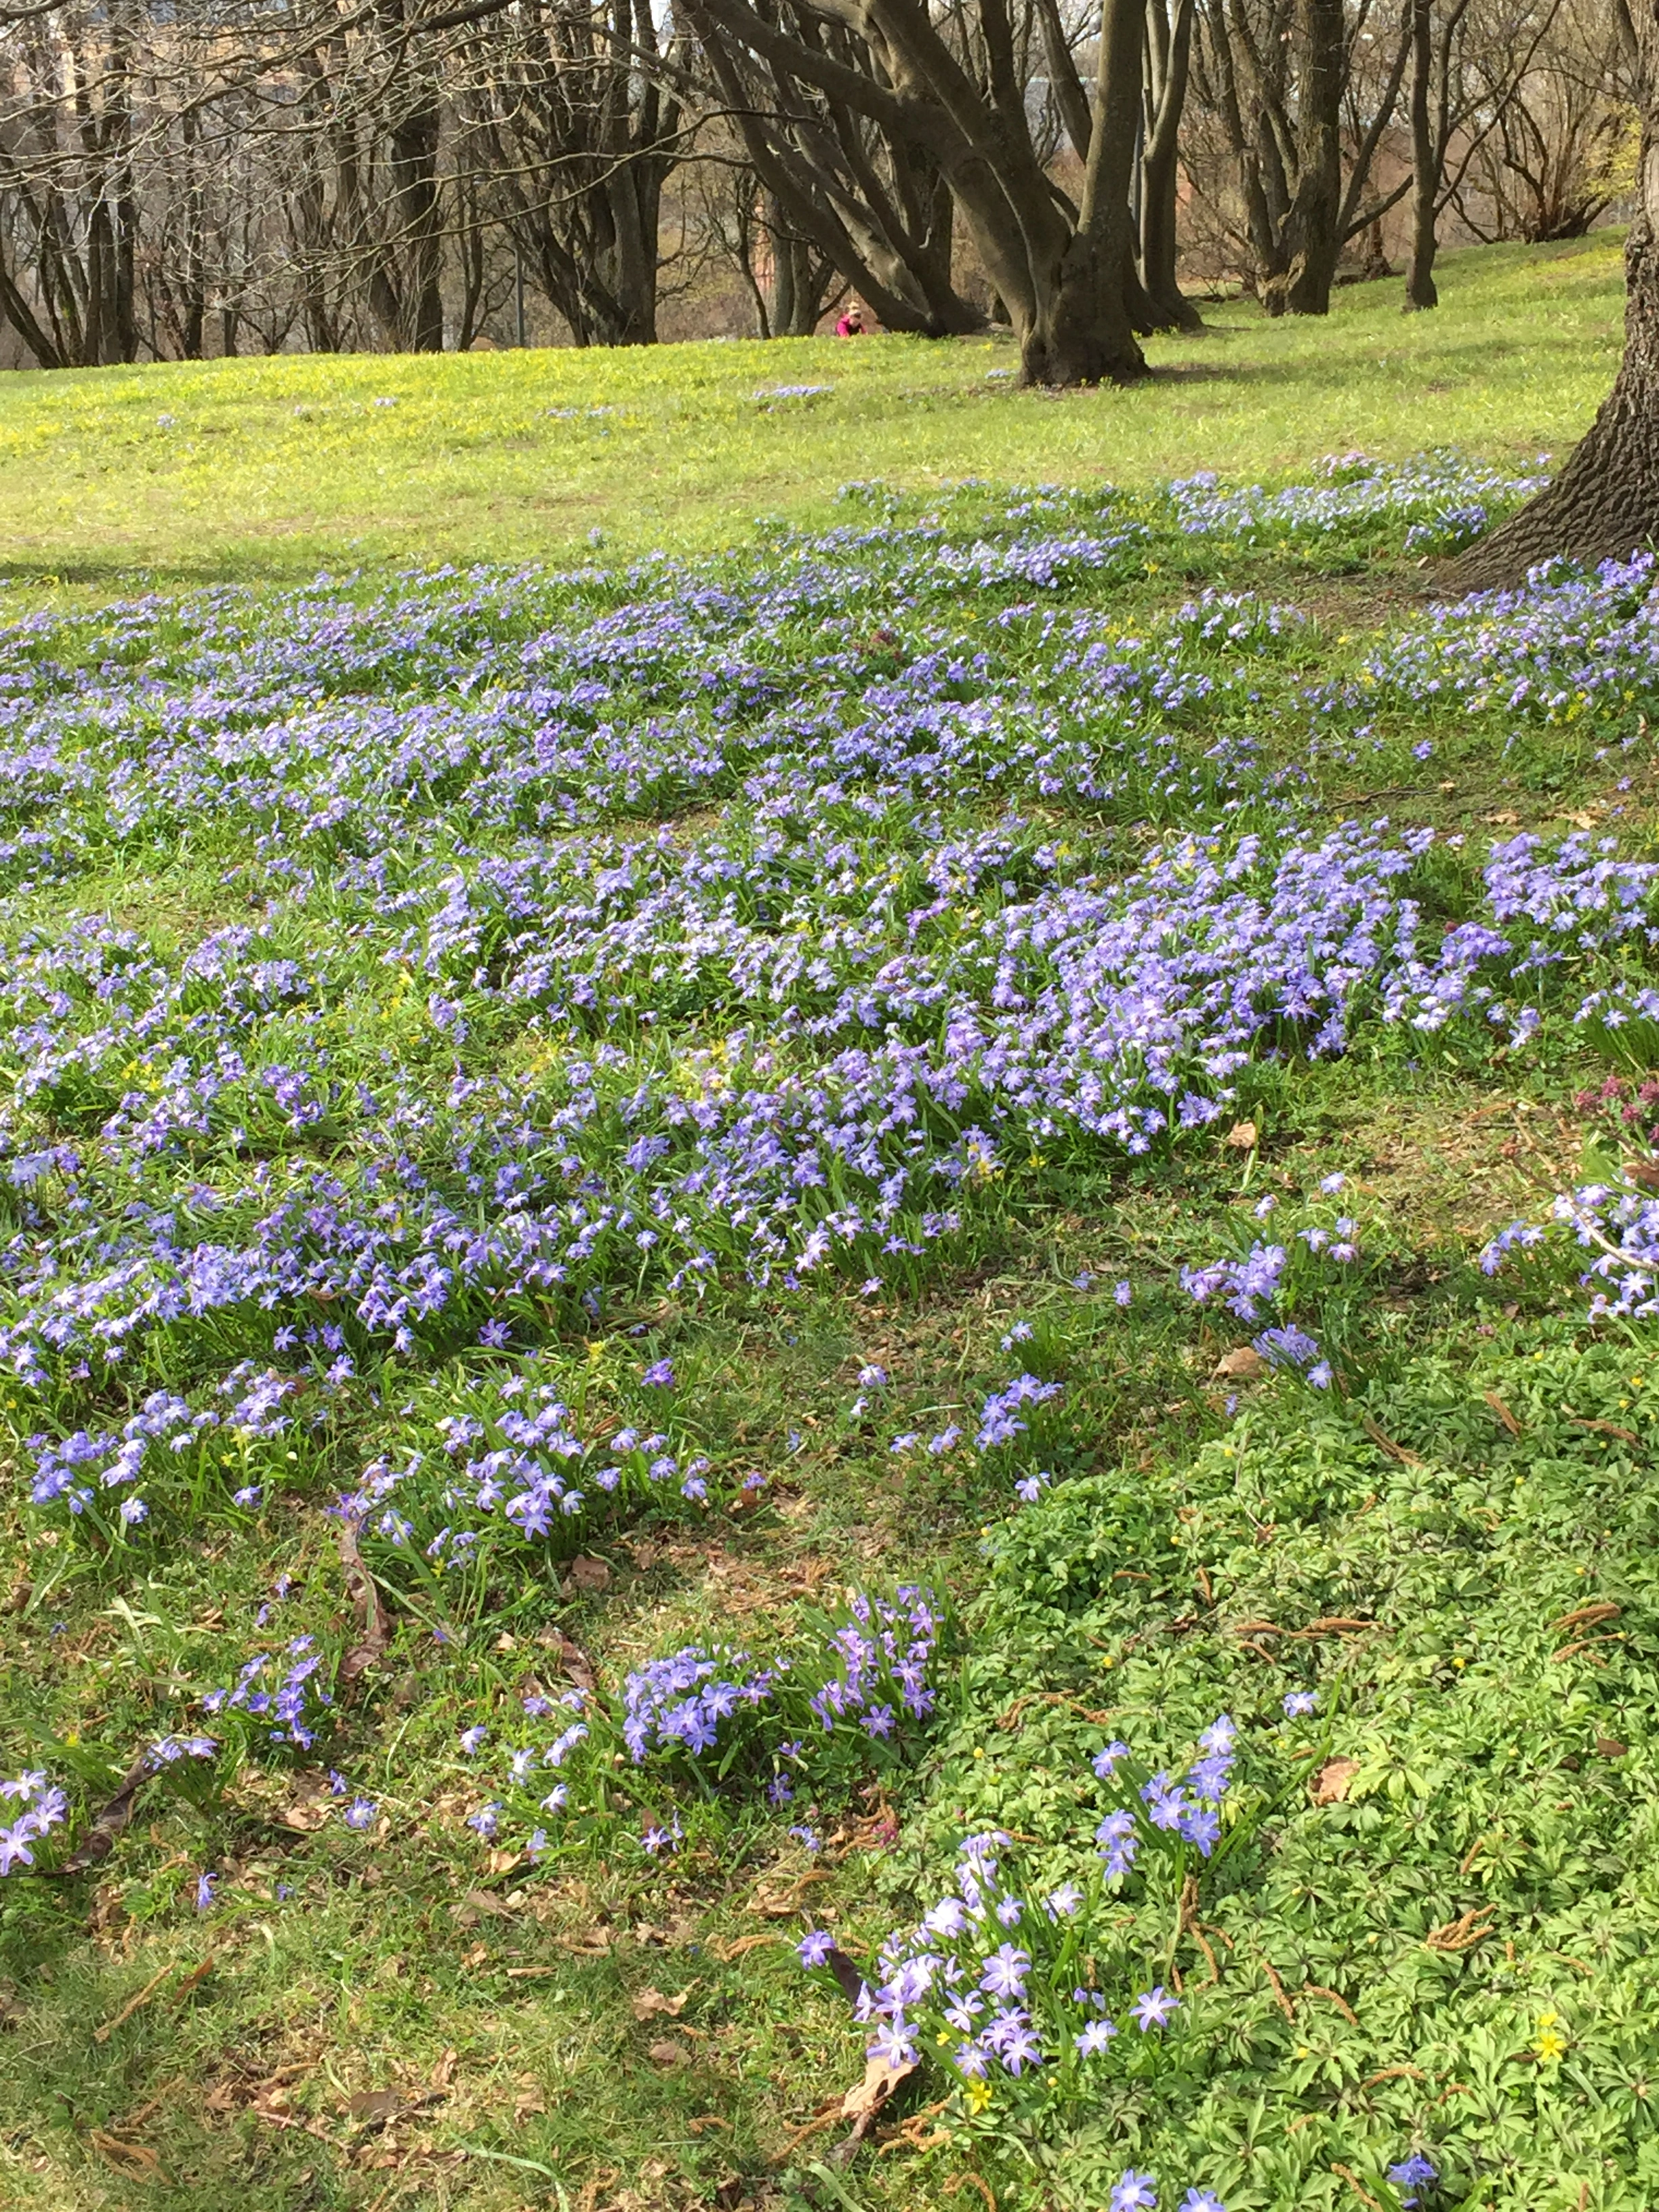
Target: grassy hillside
point(275, 469)
point(902, 1253)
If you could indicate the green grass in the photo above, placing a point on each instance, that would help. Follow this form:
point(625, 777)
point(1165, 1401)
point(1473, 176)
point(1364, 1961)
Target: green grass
point(272, 470)
point(1453, 1949)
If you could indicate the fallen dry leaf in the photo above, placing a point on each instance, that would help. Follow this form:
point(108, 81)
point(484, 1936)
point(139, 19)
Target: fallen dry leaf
point(1608, 1747)
point(137, 2162)
point(372, 2104)
point(646, 2004)
point(592, 1942)
point(669, 2054)
point(865, 2098)
point(481, 1902)
point(1332, 1781)
point(589, 1574)
point(1385, 1442)
point(727, 1951)
point(100, 1839)
point(1241, 1136)
point(1244, 1363)
point(570, 1656)
point(306, 1814)
point(1503, 1413)
point(373, 1635)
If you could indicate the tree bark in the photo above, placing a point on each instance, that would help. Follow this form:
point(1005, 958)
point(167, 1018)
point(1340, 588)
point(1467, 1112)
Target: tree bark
point(1169, 42)
point(1426, 166)
point(1312, 235)
point(1605, 503)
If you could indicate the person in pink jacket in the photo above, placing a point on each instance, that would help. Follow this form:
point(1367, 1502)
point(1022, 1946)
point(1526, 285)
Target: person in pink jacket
point(851, 324)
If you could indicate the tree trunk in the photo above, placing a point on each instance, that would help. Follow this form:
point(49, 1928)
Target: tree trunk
point(1076, 329)
point(1169, 43)
point(1425, 167)
point(1605, 503)
point(1312, 233)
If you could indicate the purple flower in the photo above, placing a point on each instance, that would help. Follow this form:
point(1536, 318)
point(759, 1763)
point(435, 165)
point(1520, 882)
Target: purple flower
point(814, 1948)
point(1202, 2200)
point(205, 1886)
point(360, 1812)
point(659, 1376)
point(1154, 2008)
point(1006, 1969)
point(1134, 2193)
point(1414, 2173)
point(1094, 2039)
point(1106, 1762)
point(892, 2046)
point(1300, 1703)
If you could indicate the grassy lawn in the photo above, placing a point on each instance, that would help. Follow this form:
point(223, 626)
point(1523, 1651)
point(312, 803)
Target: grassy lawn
point(676, 1237)
point(271, 470)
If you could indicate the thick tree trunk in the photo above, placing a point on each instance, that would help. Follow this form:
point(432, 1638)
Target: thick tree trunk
point(1076, 326)
point(1605, 503)
point(1425, 167)
point(1312, 234)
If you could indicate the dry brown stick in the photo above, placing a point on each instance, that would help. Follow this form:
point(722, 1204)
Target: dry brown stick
point(367, 1599)
point(1357, 2186)
point(972, 2181)
point(1317, 1990)
point(1284, 2004)
point(134, 2004)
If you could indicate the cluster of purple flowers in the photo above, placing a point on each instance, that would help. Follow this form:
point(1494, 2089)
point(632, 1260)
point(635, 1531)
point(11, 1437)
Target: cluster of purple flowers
point(1436, 493)
point(1560, 646)
point(880, 1660)
point(37, 1806)
point(679, 1703)
point(288, 1700)
point(959, 1975)
point(999, 1417)
point(1618, 1227)
point(73, 1469)
point(524, 1769)
point(1185, 1807)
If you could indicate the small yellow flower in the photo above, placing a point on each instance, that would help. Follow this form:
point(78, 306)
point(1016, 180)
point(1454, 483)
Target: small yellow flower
point(1549, 2046)
point(979, 2096)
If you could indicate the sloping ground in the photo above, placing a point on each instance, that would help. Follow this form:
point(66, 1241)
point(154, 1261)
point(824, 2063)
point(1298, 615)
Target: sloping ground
point(267, 471)
point(706, 1260)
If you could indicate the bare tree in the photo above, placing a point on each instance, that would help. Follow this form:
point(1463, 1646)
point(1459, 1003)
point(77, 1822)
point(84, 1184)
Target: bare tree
point(952, 87)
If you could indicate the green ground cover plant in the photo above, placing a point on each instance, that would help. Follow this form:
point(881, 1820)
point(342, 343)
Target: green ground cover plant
point(827, 1369)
